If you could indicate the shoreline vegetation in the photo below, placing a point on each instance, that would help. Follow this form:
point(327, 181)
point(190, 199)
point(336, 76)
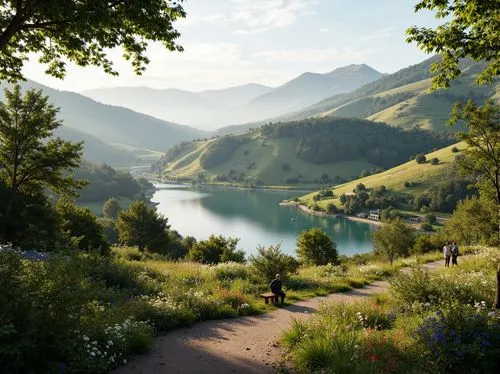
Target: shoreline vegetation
point(312, 212)
point(235, 186)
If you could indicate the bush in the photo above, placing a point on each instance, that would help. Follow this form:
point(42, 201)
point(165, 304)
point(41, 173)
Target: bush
point(420, 158)
point(216, 249)
point(331, 208)
point(460, 339)
point(426, 226)
point(407, 184)
point(430, 218)
point(455, 150)
point(315, 247)
point(435, 161)
point(271, 261)
point(423, 244)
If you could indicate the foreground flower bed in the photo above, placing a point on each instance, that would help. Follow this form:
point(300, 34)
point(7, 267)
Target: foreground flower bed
point(439, 323)
point(89, 314)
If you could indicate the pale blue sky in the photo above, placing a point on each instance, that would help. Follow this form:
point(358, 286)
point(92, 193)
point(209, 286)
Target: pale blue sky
point(233, 42)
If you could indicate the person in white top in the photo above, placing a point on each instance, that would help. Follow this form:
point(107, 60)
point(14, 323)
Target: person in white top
point(447, 254)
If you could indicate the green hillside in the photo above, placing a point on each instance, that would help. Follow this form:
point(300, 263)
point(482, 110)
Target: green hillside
point(113, 124)
point(95, 150)
point(419, 176)
point(400, 99)
point(414, 105)
point(303, 153)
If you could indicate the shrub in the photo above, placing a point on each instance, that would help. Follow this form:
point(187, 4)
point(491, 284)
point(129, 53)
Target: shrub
point(407, 184)
point(455, 150)
point(42, 305)
point(271, 261)
point(229, 271)
point(460, 339)
point(420, 158)
point(430, 218)
point(426, 226)
point(435, 161)
point(216, 249)
point(331, 208)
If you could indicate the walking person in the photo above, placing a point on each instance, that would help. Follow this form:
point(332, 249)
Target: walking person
point(447, 254)
point(454, 254)
point(275, 286)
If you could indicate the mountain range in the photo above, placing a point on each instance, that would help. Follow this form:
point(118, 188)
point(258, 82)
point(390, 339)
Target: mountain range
point(403, 99)
point(110, 132)
point(213, 109)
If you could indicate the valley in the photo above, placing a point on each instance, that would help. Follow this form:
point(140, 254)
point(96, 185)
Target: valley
point(325, 176)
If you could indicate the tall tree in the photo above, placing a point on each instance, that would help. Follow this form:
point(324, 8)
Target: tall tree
point(111, 208)
point(82, 31)
point(470, 223)
point(31, 159)
point(474, 32)
point(394, 238)
point(315, 247)
point(482, 156)
point(143, 226)
point(471, 30)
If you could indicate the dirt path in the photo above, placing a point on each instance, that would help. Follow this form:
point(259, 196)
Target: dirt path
point(241, 345)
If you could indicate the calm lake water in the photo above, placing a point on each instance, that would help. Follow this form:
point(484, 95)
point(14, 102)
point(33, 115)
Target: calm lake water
point(254, 216)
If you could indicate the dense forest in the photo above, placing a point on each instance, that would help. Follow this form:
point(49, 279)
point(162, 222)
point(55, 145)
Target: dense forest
point(326, 140)
point(105, 182)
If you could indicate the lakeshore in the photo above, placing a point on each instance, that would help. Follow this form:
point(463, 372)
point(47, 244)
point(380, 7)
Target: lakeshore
point(308, 210)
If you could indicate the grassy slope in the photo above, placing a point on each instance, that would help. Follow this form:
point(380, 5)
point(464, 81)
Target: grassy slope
point(425, 109)
point(268, 156)
point(422, 176)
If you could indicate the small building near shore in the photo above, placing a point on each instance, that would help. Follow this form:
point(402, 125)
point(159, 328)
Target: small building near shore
point(375, 215)
point(362, 215)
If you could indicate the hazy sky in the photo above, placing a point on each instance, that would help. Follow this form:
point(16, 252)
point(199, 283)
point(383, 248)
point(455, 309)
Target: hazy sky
point(233, 42)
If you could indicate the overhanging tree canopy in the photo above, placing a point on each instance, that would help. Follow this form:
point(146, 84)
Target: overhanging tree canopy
point(81, 31)
point(471, 29)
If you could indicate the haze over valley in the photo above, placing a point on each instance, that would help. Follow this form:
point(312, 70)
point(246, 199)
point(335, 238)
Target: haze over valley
point(213, 109)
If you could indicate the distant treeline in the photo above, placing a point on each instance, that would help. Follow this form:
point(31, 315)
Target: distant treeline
point(325, 140)
point(106, 182)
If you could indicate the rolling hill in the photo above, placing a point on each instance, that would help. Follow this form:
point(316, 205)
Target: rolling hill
point(204, 109)
point(112, 124)
point(252, 102)
point(307, 89)
point(96, 151)
point(400, 99)
point(419, 176)
point(302, 153)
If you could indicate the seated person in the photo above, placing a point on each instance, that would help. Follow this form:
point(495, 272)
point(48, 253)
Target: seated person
point(275, 286)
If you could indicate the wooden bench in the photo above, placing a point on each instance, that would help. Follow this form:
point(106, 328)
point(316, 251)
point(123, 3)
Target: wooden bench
point(269, 295)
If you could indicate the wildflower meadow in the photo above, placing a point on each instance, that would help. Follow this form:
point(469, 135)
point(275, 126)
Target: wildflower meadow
point(442, 322)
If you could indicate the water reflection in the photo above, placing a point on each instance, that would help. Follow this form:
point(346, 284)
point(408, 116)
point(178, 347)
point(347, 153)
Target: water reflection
point(254, 216)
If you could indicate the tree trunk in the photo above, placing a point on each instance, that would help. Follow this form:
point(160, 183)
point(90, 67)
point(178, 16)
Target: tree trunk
point(6, 217)
point(497, 301)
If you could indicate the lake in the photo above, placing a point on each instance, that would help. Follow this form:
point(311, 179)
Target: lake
point(254, 216)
